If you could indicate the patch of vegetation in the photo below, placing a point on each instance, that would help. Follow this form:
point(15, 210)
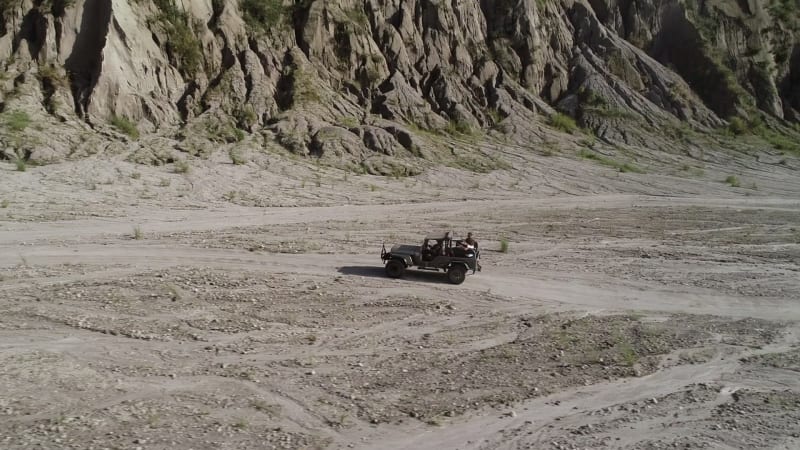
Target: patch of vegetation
point(784, 11)
point(262, 14)
point(738, 126)
point(494, 117)
point(349, 122)
point(304, 88)
point(610, 112)
point(246, 117)
point(503, 245)
point(267, 408)
point(125, 125)
point(622, 167)
point(779, 141)
point(52, 75)
point(4, 204)
point(627, 353)
point(733, 181)
point(240, 424)
point(456, 127)
point(357, 17)
point(16, 121)
point(174, 292)
point(181, 166)
point(755, 126)
point(563, 123)
point(20, 164)
point(224, 132)
point(137, 233)
point(237, 158)
point(182, 45)
point(591, 98)
point(589, 141)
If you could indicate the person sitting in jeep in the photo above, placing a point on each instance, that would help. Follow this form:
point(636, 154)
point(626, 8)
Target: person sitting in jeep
point(469, 241)
point(427, 253)
point(437, 249)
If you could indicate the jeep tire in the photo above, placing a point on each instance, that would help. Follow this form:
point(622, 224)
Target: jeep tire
point(456, 274)
point(395, 268)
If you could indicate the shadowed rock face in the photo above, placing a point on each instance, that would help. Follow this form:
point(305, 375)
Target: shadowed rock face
point(430, 63)
point(85, 62)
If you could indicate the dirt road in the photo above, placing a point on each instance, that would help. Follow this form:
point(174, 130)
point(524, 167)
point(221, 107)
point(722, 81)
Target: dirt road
point(618, 321)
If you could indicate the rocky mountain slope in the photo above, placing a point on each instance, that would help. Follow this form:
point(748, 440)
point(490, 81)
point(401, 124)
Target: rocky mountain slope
point(365, 84)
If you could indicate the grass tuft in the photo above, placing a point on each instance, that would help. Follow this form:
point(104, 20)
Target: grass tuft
point(236, 157)
point(503, 245)
point(17, 121)
point(622, 167)
point(125, 125)
point(181, 166)
point(563, 123)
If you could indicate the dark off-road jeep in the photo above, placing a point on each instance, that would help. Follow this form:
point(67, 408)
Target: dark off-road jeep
point(437, 252)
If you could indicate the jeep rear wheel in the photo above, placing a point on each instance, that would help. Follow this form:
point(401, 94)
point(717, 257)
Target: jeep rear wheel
point(457, 274)
point(395, 268)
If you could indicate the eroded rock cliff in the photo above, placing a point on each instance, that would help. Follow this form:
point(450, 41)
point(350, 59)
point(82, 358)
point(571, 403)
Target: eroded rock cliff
point(348, 78)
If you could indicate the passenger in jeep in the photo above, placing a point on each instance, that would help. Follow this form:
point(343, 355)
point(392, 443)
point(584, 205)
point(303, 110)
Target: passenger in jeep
point(469, 242)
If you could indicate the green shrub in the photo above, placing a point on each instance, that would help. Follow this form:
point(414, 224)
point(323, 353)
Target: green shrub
point(622, 167)
point(455, 127)
point(125, 125)
point(236, 157)
point(246, 117)
point(20, 164)
point(17, 121)
point(737, 126)
point(627, 353)
point(733, 181)
point(563, 123)
point(779, 141)
point(503, 245)
point(181, 166)
point(183, 46)
point(262, 14)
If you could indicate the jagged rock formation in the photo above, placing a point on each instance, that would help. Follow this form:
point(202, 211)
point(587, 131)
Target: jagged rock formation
point(347, 78)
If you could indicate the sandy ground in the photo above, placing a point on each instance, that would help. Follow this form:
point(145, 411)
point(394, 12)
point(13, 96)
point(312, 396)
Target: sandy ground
point(205, 319)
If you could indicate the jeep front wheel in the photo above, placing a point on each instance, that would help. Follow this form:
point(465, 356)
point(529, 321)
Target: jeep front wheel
point(457, 274)
point(395, 268)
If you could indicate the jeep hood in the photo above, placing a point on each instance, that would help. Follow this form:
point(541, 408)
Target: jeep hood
point(402, 249)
